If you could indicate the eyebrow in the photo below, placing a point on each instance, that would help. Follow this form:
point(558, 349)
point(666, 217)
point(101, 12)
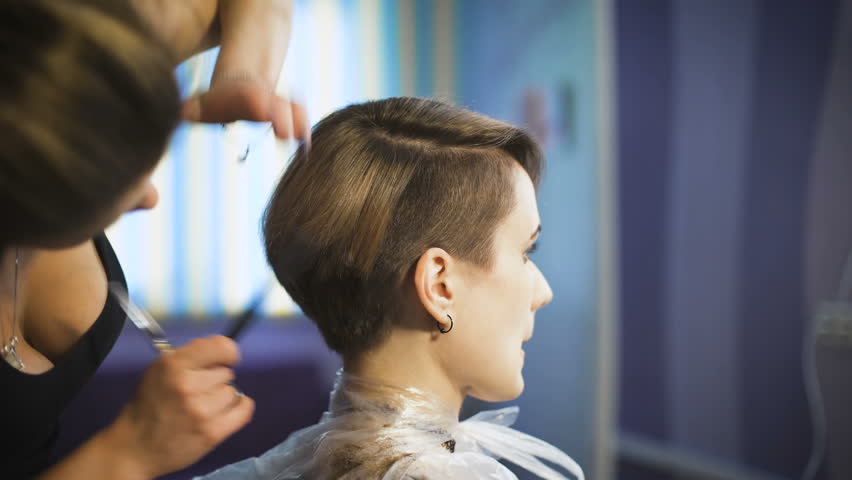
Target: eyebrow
point(536, 232)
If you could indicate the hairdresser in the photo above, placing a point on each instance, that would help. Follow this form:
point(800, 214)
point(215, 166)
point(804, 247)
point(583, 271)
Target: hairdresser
point(88, 100)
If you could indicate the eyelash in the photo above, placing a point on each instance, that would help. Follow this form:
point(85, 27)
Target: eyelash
point(530, 251)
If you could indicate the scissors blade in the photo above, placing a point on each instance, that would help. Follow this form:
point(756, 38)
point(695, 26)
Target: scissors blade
point(140, 318)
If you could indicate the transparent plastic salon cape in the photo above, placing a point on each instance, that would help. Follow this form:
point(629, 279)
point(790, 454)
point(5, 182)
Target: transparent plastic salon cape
point(374, 431)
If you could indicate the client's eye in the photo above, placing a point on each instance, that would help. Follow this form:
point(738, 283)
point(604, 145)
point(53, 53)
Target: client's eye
point(530, 251)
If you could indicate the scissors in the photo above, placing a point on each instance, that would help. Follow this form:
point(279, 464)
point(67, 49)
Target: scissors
point(143, 321)
point(146, 323)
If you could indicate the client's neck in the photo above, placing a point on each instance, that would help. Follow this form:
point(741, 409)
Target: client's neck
point(405, 360)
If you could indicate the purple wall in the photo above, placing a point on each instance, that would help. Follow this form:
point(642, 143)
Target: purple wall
point(718, 106)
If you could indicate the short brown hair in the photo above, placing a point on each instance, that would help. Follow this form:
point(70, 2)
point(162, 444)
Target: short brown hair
point(88, 103)
point(383, 182)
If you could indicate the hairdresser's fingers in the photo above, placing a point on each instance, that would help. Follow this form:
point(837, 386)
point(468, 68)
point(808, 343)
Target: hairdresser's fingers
point(301, 125)
point(282, 118)
point(232, 419)
point(221, 399)
point(208, 379)
point(207, 352)
point(290, 120)
point(230, 101)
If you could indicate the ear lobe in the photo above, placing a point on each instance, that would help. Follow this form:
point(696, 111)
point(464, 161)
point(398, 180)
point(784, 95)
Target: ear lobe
point(431, 275)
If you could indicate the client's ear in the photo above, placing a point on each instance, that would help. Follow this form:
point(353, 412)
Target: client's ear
point(433, 284)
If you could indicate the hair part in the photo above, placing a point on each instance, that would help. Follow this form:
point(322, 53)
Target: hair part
point(383, 182)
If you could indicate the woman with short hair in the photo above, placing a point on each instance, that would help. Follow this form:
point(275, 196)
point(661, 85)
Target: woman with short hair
point(405, 234)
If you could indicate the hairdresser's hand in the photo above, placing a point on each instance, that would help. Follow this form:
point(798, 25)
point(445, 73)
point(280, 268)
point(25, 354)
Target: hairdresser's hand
point(240, 97)
point(183, 408)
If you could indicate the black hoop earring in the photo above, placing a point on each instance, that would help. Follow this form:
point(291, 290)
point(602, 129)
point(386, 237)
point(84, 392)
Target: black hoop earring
point(440, 329)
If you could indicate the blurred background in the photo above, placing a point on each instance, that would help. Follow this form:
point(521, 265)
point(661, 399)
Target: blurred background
point(696, 212)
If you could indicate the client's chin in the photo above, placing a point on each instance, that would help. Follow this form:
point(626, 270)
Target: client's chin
point(507, 391)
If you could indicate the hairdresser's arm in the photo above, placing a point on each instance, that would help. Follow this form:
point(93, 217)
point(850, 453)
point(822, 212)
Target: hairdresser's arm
point(185, 26)
point(182, 409)
point(254, 37)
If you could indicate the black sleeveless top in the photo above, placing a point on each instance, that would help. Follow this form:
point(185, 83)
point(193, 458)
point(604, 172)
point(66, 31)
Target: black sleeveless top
point(30, 405)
